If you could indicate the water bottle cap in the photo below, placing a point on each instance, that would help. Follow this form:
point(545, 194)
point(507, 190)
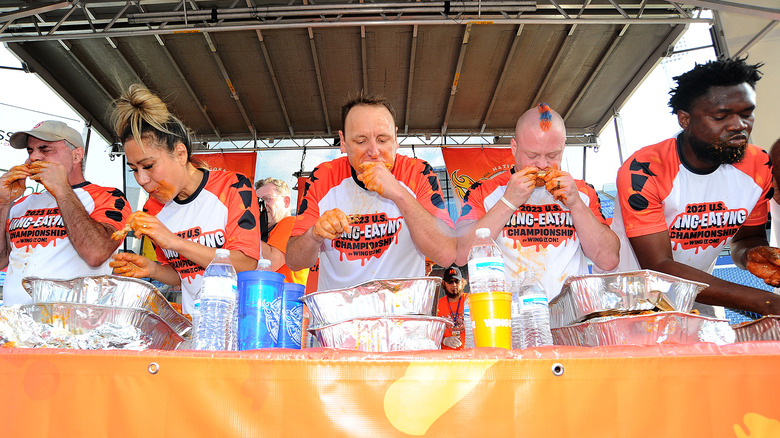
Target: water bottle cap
point(263, 264)
point(483, 232)
point(222, 252)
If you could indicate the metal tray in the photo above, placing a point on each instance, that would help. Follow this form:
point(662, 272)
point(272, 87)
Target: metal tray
point(107, 290)
point(595, 295)
point(404, 296)
point(382, 334)
point(766, 328)
point(649, 329)
point(90, 326)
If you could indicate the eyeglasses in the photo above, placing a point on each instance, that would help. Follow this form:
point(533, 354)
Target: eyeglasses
point(268, 199)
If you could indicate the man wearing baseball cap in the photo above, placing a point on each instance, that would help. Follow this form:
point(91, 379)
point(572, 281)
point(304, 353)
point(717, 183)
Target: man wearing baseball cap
point(451, 307)
point(64, 231)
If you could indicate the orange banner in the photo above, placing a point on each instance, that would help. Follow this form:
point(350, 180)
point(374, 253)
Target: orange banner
point(465, 166)
point(240, 162)
point(620, 391)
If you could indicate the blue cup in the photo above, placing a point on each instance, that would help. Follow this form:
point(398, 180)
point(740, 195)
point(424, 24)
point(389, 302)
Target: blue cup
point(259, 307)
point(292, 316)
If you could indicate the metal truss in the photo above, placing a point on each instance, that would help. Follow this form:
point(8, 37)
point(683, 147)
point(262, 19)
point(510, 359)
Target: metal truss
point(585, 141)
point(83, 19)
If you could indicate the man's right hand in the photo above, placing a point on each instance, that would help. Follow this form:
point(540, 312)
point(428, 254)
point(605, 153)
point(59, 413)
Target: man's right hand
point(452, 342)
point(52, 175)
point(331, 224)
point(127, 264)
point(12, 183)
point(520, 186)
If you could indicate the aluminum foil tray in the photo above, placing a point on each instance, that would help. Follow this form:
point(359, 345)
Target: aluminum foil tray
point(107, 290)
point(766, 328)
point(386, 333)
point(405, 296)
point(86, 326)
point(598, 295)
point(649, 329)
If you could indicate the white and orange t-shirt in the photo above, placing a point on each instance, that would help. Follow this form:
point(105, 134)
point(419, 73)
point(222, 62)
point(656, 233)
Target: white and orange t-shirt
point(222, 213)
point(540, 234)
point(379, 245)
point(701, 211)
point(39, 241)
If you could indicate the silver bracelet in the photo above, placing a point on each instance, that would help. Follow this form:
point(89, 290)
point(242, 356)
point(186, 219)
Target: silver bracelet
point(508, 204)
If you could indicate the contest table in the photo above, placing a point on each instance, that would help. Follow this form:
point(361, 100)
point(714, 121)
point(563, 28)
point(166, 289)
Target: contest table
point(621, 391)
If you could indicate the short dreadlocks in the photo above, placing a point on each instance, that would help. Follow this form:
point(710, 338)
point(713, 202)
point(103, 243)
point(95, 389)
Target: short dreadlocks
point(721, 73)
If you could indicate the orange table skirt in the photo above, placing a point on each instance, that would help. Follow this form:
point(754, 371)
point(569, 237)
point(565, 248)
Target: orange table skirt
point(626, 391)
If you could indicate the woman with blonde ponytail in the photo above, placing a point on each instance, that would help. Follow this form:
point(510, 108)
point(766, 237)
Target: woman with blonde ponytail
point(191, 211)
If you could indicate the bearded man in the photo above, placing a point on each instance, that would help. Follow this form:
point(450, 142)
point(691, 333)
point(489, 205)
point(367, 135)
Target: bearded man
point(451, 306)
point(682, 200)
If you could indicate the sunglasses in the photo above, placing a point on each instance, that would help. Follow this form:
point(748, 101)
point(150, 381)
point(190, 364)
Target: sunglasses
point(452, 281)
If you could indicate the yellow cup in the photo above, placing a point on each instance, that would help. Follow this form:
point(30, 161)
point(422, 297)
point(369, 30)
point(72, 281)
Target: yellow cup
point(491, 319)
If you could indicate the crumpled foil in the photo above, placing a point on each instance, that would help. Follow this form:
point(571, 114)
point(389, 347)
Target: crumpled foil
point(587, 296)
point(107, 290)
point(404, 296)
point(84, 326)
point(649, 329)
point(386, 333)
point(766, 328)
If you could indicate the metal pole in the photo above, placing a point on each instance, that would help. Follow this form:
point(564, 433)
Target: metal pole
point(584, 161)
point(124, 190)
point(619, 135)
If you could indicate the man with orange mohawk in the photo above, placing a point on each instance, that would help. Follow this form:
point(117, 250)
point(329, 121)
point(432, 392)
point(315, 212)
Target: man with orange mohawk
point(542, 219)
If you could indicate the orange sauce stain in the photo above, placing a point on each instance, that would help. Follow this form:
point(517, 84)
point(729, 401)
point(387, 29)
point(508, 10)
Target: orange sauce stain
point(165, 190)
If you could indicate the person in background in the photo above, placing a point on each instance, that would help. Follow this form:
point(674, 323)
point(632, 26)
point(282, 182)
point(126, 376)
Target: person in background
point(64, 231)
point(451, 306)
point(774, 203)
point(429, 264)
point(191, 211)
point(373, 214)
point(681, 201)
point(274, 196)
point(542, 219)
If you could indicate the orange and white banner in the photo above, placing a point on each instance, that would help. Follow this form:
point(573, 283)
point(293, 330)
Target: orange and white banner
point(694, 390)
point(465, 166)
point(240, 162)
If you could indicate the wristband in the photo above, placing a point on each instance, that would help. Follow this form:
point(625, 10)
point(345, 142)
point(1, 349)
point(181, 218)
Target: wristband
point(508, 204)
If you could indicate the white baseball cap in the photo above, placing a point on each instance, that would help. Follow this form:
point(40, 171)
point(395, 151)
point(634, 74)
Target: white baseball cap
point(48, 130)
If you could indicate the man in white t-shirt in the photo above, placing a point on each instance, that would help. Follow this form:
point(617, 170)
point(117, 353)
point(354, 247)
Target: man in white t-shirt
point(681, 201)
point(65, 231)
point(550, 227)
point(374, 213)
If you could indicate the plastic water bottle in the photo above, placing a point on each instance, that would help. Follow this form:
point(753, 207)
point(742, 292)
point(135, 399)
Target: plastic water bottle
point(486, 265)
point(195, 321)
point(218, 302)
point(534, 313)
point(517, 331)
point(467, 326)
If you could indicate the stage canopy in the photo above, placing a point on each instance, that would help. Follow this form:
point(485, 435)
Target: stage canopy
point(250, 70)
